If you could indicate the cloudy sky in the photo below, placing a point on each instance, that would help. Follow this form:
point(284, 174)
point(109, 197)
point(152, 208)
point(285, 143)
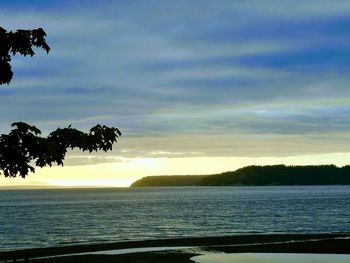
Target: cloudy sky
point(195, 86)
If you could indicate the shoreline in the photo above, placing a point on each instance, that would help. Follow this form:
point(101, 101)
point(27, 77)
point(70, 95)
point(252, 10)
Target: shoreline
point(338, 243)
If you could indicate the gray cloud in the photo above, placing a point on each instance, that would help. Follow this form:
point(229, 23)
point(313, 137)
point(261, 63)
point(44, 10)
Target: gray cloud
point(168, 74)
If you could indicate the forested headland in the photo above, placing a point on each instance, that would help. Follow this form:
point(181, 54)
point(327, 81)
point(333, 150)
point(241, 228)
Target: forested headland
point(172, 180)
point(258, 176)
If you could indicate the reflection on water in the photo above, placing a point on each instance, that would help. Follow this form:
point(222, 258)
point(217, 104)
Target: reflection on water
point(271, 258)
point(41, 218)
point(123, 251)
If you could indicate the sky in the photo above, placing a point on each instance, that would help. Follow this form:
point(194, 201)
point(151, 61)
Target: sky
point(195, 86)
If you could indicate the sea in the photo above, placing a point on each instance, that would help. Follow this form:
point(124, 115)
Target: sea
point(59, 217)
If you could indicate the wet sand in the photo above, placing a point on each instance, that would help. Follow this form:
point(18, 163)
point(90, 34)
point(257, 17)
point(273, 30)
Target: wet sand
point(271, 258)
point(264, 243)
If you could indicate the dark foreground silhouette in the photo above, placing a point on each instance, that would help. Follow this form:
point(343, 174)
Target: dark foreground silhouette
point(258, 175)
point(23, 145)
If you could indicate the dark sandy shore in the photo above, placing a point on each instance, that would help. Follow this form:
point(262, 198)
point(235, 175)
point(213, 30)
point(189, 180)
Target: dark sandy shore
point(269, 243)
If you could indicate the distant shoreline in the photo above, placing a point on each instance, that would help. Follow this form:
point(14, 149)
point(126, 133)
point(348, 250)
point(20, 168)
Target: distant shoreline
point(272, 243)
point(269, 175)
point(87, 188)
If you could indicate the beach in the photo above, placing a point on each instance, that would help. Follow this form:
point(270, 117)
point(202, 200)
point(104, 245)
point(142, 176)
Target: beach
point(258, 243)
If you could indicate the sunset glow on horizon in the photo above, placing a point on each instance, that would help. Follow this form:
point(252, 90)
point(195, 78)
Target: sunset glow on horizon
point(123, 174)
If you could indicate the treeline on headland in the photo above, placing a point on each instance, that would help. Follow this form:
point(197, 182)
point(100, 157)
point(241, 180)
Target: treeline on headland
point(258, 175)
point(169, 180)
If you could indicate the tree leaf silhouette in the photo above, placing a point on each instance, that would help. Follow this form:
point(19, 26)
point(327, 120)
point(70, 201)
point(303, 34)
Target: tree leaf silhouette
point(23, 147)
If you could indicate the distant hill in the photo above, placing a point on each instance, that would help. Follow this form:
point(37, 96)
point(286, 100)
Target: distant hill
point(258, 175)
point(172, 180)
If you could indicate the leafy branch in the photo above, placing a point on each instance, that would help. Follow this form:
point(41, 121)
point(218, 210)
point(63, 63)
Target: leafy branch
point(22, 42)
point(24, 146)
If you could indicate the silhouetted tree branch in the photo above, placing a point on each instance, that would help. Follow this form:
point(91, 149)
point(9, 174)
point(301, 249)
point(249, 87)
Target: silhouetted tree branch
point(22, 42)
point(23, 146)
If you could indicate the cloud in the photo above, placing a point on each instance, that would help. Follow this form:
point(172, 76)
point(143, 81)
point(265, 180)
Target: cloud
point(252, 76)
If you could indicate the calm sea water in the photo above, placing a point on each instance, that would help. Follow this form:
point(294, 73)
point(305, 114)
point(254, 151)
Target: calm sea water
point(40, 218)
